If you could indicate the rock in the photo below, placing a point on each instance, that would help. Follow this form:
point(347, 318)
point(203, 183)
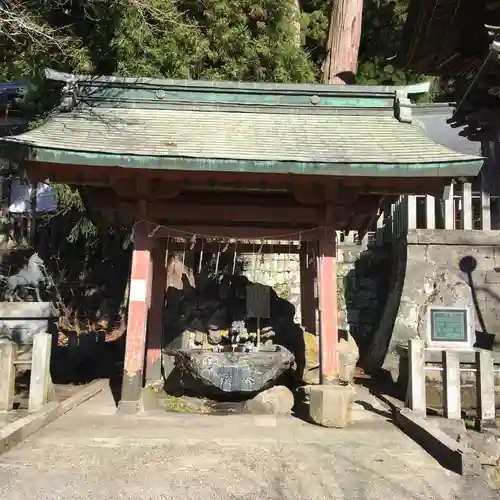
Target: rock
point(232, 372)
point(199, 337)
point(311, 372)
point(215, 336)
point(331, 405)
point(219, 319)
point(278, 400)
point(348, 358)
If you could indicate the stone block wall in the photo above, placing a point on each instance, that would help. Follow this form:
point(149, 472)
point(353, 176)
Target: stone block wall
point(439, 267)
point(280, 271)
point(361, 277)
point(362, 289)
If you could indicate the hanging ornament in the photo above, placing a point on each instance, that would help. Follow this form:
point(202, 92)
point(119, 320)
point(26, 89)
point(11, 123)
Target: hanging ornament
point(192, 242)
point(217, 259)
point(154, 231)
point(254, 261)
point(183, 255)
point(166, 251)
point(234, 256)
point(200, 265)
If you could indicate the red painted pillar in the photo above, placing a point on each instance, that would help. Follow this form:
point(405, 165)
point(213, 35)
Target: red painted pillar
point(328, 314)
point(308, 301)
point(155, 327)
point(138, 310)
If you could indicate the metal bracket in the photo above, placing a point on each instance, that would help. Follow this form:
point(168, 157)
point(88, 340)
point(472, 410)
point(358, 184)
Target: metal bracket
point(402, 107)
point(69, 95)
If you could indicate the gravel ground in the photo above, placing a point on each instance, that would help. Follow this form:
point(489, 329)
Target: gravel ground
point(91, 453)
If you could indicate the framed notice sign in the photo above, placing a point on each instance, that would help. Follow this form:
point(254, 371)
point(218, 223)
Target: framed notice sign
point(258, 301)
point(451, 327)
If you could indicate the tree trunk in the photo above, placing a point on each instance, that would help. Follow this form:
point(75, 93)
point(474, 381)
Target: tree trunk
point(296, 22)
point(344, 35)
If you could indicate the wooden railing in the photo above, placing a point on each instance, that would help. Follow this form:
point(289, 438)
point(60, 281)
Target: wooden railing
point(450, 367)
point(40, 382)
point(464, 209)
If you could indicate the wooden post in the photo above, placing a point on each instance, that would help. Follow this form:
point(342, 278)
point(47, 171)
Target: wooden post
point(307, 296)
point(416, 384)
point(350, 237)
point(486, 181)
point(467, 206)
point(411, 212)
point(137, 322)
point(7, 376)
point(40, 381)
point(379, 235)
point(394, 215)
point(449, 210)
point(451, 385)
point(430, 212)
point(485, 386)
point(32, 224)
point(327, 277)
point(155, 327)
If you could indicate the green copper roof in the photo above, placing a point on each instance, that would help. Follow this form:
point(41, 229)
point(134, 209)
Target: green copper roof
point(222, 126)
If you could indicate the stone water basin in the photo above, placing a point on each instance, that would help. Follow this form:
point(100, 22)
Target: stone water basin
point(232, 373)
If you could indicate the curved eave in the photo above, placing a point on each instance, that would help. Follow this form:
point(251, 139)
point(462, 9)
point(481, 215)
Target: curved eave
point(23, 152)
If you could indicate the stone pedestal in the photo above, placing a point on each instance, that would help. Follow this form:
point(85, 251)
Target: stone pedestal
point(331, 405)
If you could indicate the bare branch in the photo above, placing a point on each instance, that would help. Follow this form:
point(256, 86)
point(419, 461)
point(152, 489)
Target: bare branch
point(21, 22)
point(18, 24)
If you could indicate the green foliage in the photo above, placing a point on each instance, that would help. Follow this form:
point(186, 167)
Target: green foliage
point(252, 40)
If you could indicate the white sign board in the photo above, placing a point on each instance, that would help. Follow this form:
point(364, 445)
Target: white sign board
point(450, 328)
point(258, 301)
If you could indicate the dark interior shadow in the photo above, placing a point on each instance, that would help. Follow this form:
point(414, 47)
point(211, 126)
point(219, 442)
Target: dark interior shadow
point(365, 291)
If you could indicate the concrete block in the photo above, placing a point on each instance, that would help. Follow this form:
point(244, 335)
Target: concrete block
point(7, 376)
point(331, 405)
point(492, 277)
point(40, 382)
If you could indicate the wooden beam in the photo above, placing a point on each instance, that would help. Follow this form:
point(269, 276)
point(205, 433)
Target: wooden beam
point(77, 174)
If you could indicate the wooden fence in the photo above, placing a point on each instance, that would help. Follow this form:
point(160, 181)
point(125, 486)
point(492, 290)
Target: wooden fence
point(450, 367)
point(40, 386)
point(464, 209)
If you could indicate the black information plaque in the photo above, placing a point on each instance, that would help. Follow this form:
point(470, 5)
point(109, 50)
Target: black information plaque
point(449, 325)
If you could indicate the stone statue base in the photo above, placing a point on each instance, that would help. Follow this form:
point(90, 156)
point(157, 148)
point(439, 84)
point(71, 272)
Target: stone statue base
point(331, 405)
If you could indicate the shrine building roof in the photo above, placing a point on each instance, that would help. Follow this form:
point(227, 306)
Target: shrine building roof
point(238, 127)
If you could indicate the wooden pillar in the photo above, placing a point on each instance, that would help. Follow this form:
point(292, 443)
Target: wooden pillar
point(138, 309)
point(307, 295)
point(155, 327)
point(328, 313)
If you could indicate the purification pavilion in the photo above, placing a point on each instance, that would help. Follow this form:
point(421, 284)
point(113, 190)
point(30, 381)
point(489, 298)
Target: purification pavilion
point(240, 160)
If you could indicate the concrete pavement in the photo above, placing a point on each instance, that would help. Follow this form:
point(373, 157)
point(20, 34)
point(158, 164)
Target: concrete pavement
point(91, 453)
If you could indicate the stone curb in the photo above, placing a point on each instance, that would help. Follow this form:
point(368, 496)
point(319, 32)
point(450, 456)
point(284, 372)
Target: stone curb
point(449, 453)
point(15, 432)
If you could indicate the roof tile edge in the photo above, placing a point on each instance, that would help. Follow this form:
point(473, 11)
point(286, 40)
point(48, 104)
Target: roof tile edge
point(201, 85)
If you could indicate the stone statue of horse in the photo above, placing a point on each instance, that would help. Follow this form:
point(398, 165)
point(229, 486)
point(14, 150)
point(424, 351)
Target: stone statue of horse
point(32, 275)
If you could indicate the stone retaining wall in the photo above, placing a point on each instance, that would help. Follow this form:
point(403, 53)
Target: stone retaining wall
point(361, 277)
point(433, 267)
